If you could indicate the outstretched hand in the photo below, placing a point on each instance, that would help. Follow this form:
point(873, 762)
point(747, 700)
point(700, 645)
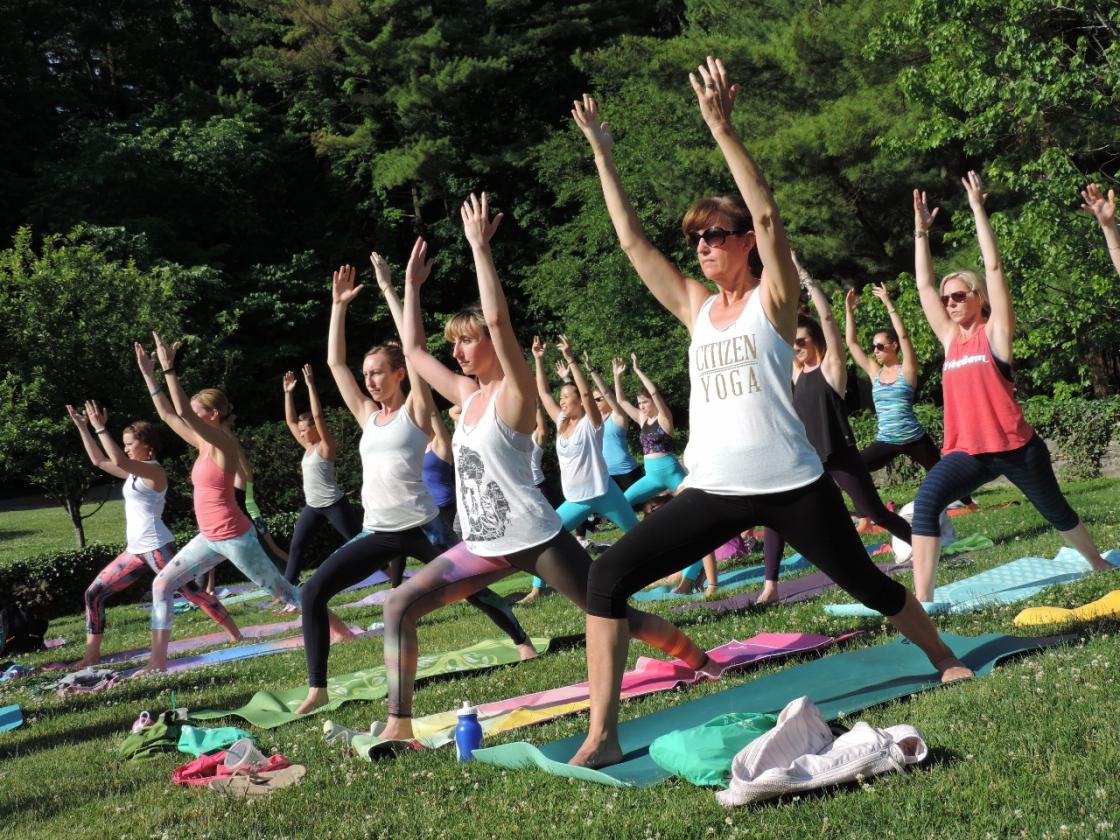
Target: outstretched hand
point(715, 93)
point(1104, 210)
point(923, 218)
point(477, 224)
point(851, 300)
point(565, 348)
point(96, 414)
point(289, 382)
point(165, 354)
point(146, 360)
point(78, 417)
point(419, 265)
point(975, 189)
point(309, 376)
point(880, 291)
point(563, 370)
point(538, 348)
point(634, 364)
point(343, 289)
point(804, 276)
point(618, 366)
point(381, 270)
point(587, 359)
point(598, 133)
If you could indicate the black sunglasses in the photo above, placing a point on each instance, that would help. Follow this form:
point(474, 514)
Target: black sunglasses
point(714, 236)
point(955, 297)
point(878, 346)
point(800, 342)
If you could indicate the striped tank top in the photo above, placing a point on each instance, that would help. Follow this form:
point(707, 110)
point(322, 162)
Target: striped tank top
point(894, 407)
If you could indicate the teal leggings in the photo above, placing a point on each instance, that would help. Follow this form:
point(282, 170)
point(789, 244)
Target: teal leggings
point(663, 475)
point(612, 505)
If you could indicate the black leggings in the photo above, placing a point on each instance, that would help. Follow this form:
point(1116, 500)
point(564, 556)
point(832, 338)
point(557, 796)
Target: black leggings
point(366, 553)
point(1029, 468)
point(847, 469)
point(343, 517)
point(922, 451)
point(696, 522)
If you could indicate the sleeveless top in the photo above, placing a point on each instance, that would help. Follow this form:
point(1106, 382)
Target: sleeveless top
point(824, 414)
point(583, 472)
point(981, 412)
point(143, 516)
point(219, 517)
point(500, 508)
point(320, 485)
point(439, 478)
point(744, 436)
point(894, 408)
point(655, 440)
point(538, 459)
point(616, 452)
point(393, 494)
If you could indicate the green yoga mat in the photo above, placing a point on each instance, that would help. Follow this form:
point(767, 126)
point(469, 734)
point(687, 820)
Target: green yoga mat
point(843, 683)
point(268, 709)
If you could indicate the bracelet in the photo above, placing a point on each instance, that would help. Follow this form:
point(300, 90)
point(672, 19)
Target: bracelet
point(890, 312)
point(101, 431)
point(171, 369)
point(157, 391)
point(921, 234)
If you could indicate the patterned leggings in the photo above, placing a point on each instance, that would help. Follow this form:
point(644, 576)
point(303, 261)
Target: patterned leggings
point(457, 573)
point(126, 570)
point(200, 556)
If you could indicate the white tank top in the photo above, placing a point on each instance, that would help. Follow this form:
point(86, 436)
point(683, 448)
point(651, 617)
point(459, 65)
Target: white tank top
point(744, 437)
point(143, 516)
point(393, 493)
point(320, 486)
point(538, 459)
point(583, 469)
point(500, 508)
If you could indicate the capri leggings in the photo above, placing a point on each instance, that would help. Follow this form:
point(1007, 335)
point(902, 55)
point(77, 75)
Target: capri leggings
point(612, 504)
point(200, 556)
point(663, 475)
point(457, 573)
point(696, 522)
point(126, 570)
point(922, 451)
point(370, 551)
point(341, 515)
point(958, 473)
point(847, 469)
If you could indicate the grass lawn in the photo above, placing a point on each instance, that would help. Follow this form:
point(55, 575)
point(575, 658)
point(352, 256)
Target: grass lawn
point(1030, 751)
point(25, 533)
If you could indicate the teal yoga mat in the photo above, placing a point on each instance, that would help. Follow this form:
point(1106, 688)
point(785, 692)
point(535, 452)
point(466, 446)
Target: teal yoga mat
point(737, 577)
point(11, 717)
point(843, 683)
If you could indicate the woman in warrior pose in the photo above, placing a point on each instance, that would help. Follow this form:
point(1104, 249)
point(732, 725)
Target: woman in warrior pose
point(986, 435)
point(748, 458)
point(401, 519)
point(507, 523)
point(1104, 211)
point(820, 380)
point(149, 542)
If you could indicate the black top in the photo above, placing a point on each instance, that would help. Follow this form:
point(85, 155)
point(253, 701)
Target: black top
point(824, 414)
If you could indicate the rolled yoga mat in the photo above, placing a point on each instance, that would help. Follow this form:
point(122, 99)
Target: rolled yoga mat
point(268, 709)
point(1107, 606)
point(843, 683)
point(647, 677)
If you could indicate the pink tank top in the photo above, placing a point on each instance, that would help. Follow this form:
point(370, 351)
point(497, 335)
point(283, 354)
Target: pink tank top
point(981, 412)
point(219, 517)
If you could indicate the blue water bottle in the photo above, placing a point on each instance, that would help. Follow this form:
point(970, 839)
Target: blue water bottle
point(468, 734)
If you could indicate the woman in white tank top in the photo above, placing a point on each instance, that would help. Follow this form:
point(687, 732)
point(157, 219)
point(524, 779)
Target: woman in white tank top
point(507, 523)
point(748, 459)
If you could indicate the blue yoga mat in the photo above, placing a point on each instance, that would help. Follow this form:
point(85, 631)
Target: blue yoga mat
point(11, 717)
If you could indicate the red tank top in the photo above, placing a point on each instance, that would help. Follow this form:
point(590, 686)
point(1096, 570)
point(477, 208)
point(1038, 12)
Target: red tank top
point(981, 412)
point(219, 517)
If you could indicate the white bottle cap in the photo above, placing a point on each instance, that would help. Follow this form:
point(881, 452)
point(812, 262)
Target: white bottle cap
point(467, 709)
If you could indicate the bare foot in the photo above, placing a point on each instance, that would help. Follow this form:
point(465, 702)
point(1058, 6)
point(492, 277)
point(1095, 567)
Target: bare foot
point(532, 595)
point(596, 753)
point(339, 636)
point(87, 662)
point(685, 587)
point(316, 697)
point(1101, 565)
point(864, 526)
point(397, 729)
point(150, 669)
point(234, 636)
point(952, 669)
point(711, 669)
point(526, 651)
point(711, 590)
point(768, 595)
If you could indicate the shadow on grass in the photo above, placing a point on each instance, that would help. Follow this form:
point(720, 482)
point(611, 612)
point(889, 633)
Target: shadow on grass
point(15, 534)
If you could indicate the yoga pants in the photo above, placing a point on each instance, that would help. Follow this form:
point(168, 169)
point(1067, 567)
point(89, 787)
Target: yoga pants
point(126, 570)
point(627, 479)
point(457, 573)
point(696, 522)
point(958, 474)
point(200, 556)
point(663, 475)
point(922, 451)
point(366, 553)
point(342, 516)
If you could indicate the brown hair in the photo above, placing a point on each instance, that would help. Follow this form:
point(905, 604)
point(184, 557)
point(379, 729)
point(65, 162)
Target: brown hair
point(392, 351)
point(215, 400)
point(815, 332)
point(642, 392)
point(705, 211)
point(146, 433)
point(889, 332)
point(468, 321)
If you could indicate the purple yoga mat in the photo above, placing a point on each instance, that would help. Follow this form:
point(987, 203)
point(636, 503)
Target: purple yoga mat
point(789, 591)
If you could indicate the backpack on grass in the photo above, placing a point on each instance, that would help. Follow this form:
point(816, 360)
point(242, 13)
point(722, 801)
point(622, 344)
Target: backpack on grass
point(21, 631)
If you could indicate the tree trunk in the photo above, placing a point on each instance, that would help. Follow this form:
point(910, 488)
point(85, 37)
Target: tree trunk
point(73, 507)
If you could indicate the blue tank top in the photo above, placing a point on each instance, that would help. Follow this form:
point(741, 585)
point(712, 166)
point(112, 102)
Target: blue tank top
point(894, 405)
point(439, 478)
point(616, 452)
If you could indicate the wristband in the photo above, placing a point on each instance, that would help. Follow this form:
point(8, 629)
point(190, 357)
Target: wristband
point(157, 391)
point(171, 369)
point(101, 431)
point(921, 234)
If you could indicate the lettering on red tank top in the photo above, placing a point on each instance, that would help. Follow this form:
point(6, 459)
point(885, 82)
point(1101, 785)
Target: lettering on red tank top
point(964, 361)
point(728, 367)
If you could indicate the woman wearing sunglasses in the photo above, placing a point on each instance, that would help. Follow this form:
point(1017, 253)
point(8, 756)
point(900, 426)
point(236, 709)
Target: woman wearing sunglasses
point(820, 380)
point(748, 458)
point(986, 435)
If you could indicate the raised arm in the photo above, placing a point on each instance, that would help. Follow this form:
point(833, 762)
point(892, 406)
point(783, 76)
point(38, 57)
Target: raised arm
point(540, 433)
point(928, 292)
point(618, 367)
point(153, 474)
point(441, 438)
point(96, 456)
point(1001, 323)
point(681, 296)
point(780, 286)
point(618, 416)
point(343, 292)
point(160, 399)
point(213, 435)
point(580, 381)
point(326, 439)
point(290, 417)
point(664, 413)
point(834, 364)
point(851, 338)
point(905, 346)
point(543, 391)
point(1104, 211)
